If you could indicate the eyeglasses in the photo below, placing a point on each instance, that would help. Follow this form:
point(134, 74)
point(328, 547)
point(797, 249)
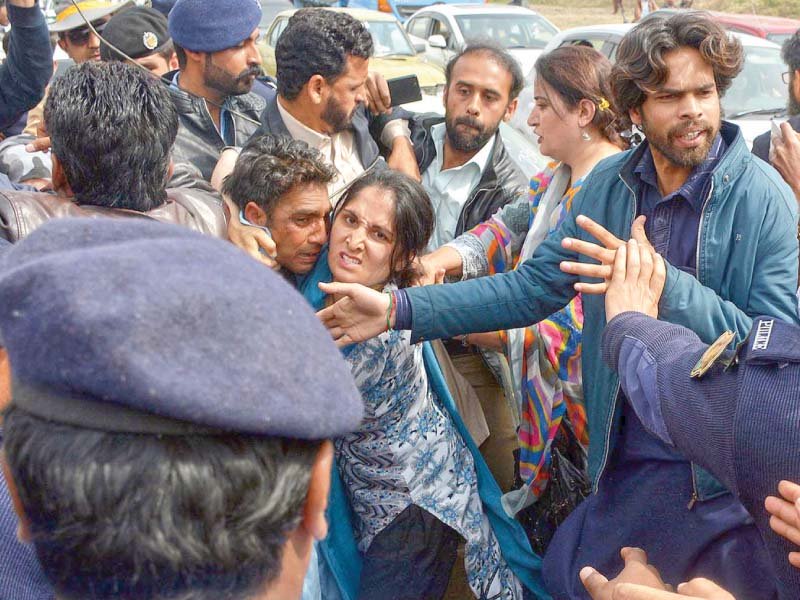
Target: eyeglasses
point(81, 35)
point(786, 77)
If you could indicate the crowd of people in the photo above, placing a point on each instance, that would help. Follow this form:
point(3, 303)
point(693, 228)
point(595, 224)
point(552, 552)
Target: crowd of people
point(279, 339)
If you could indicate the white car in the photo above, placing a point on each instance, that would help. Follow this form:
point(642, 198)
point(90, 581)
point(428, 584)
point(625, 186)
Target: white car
point(447, 28)
point(756, 95)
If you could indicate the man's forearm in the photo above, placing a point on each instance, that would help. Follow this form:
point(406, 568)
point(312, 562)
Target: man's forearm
point(29, 66)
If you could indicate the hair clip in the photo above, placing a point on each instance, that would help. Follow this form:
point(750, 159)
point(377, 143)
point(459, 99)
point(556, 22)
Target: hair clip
point(603, 104)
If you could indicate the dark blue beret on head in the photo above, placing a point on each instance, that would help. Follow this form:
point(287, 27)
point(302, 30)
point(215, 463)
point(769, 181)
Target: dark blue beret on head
point(137, 326)
point(213, 25)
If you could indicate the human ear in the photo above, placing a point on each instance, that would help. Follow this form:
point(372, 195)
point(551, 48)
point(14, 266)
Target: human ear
point(636, 116)
point(255, 214)
point(319, 486)
point(315, 88)
point(512, 106)
point(586, 112)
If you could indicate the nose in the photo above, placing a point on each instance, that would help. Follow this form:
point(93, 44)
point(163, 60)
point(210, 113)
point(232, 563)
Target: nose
point(474, 105)
point(355, 240)
point(253, 56)
point(361, 95)
point(94, 41)
point(691, 107)
point(320, 233)
point(533, 118)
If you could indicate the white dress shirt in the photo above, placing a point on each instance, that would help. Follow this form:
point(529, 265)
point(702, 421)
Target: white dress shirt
point(450, 189)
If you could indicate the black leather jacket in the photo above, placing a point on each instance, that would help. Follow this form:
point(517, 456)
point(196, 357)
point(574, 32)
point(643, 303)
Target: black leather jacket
point(502, 181)
point(199, 143)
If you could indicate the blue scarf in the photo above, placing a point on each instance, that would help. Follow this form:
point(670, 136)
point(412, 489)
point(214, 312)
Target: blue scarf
point(339, 551)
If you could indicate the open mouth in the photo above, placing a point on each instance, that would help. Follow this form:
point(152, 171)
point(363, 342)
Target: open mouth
point(348, 260)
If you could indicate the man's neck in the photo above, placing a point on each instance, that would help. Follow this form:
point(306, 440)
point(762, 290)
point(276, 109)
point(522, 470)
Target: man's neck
point(299, 111)
point(453, 157)
point(193, 83)
point(670, 176)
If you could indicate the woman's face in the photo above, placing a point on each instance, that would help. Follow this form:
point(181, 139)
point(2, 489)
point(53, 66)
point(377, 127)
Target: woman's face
point(556, 127)
point(363, 238)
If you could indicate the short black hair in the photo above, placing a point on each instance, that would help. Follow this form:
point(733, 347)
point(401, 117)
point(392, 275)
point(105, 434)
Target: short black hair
point(493, 52)
point(112, 128)
point(116, 515)
point(413, 219)
point(790, 51)
point(318, 41)
point(271, 165)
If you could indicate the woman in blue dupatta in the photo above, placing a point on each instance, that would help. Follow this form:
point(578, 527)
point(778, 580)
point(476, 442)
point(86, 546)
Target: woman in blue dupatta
point(408, 474)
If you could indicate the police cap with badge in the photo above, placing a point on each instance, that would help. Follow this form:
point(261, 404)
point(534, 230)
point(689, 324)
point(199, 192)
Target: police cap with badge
point(138, 32)
point(134, 326)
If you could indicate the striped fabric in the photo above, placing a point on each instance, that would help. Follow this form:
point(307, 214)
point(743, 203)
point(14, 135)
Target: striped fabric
point(551, 364)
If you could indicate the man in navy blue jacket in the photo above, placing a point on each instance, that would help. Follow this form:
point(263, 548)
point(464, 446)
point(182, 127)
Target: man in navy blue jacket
point(27, 68)
point(29, 65)
point(735, 413)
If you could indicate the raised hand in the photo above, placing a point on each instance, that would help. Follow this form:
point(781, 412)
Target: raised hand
point(360, 313)
point(637, 281)
point(603, 253)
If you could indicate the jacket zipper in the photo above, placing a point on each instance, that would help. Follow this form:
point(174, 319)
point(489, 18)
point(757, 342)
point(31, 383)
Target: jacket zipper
point(695, 494)
point(614, 397)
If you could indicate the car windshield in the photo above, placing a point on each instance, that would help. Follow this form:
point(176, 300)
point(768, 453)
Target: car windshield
point(510, 31)
point(759, 87)
point(778, 38)
point(389, 39)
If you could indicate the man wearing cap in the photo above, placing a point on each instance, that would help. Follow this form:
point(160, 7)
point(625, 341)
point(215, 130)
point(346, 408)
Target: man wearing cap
point(216, 47)
point(141, 34)
point(77, 40)
point(165, 456)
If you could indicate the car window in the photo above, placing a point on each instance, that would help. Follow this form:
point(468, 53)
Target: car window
point(389, 38)
point(419, 27)
point(595, 42)
point(441, 28)
point(759, 86)
point(510, 31)
point(276, 32)
point(778, 38)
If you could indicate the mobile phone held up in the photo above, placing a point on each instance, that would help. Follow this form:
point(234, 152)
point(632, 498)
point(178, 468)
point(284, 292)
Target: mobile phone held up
point(404, 89)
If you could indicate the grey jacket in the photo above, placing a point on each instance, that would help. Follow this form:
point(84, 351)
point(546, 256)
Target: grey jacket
point(199, 143)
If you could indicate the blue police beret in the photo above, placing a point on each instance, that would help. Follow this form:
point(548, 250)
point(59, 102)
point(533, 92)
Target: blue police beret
point(163, 6)
point(211, 26)
point(136, 326)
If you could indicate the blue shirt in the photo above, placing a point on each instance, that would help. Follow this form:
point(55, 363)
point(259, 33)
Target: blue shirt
point(648, 483)
point(673, 220)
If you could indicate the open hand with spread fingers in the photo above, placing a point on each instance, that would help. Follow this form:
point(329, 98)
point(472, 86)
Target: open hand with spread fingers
point(359, 313)
point(603, 253)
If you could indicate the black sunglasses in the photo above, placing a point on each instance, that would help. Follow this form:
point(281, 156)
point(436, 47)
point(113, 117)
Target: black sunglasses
point(80, 36)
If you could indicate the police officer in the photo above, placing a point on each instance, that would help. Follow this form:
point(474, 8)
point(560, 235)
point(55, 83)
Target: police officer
point(736, 413)
point(158, 445)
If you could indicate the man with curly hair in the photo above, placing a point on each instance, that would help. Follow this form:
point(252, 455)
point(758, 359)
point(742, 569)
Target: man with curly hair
point(724, 222)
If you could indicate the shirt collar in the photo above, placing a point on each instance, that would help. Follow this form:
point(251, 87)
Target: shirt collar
point(480, 160)
point(692, 189)
point(301, 132)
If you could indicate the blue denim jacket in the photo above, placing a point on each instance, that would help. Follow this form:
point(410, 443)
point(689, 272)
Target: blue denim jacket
point(747, 259)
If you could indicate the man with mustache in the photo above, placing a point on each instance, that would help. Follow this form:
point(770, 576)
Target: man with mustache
point(215, 43)
point(725, 225)
point(469, 176)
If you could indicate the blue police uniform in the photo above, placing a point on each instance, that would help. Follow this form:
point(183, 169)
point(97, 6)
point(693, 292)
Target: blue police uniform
point(738, 414)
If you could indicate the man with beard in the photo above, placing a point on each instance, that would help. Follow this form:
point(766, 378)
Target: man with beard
point(322, 61)
point(725, 224)
point(215, 43)
point(469, 176)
